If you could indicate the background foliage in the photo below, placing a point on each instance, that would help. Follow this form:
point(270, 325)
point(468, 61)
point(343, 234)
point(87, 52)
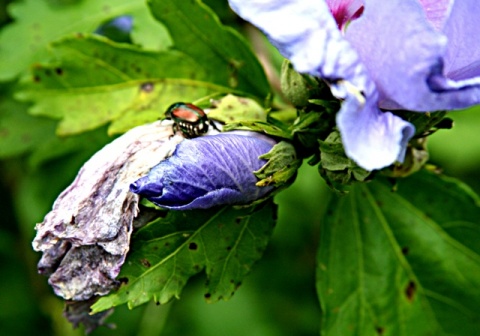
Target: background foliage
point(65, 92)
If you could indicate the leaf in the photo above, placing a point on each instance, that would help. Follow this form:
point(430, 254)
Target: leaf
point(166, 253)
point(401, 263)
point(98, 81)
point(231, 108)
point(221, 51)
point(38, 24)
point(93, 81)
point(261, 127)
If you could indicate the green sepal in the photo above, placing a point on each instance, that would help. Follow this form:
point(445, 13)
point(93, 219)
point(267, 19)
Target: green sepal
point(296, 87)
point(331, 106)
point(281, 167)
point(423, 122)
point(308, 128)
point(416, 157)
point(336, 168)
point(285, 115)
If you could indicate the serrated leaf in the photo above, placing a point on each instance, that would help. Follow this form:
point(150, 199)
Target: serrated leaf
point(98, 81)
point(166, 253)
point(221, 51)
point(403, 262)
point(37, 24)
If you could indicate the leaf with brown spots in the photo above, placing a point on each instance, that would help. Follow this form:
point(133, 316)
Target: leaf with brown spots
point(408, 267)
point(104, 82)
point(214, 240)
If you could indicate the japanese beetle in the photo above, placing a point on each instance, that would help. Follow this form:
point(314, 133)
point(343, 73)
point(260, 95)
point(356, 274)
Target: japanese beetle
point(188, 118)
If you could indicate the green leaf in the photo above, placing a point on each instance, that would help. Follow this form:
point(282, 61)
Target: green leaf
point(167, 252)
point(261, 127)
point(97, 81)
point(221, 51)
point(24, 42)
point(401, 262)
point(234, 109)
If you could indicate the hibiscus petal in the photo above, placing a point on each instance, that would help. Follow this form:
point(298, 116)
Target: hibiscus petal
point(462, 59)
point(372, 138)
point(345, 10)
point(306, 33)
point(437, 11)
point(207, 171)
point(403, 53)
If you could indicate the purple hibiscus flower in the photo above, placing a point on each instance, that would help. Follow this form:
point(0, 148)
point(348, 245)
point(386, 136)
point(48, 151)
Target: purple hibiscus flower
point(377, 55)
point(207, 171)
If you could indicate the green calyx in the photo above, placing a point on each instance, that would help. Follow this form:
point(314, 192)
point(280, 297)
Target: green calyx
point(338, 171)
point(281, 167)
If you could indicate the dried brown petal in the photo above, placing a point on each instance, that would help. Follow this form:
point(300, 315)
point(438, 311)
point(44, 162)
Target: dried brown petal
point(77, 312)
point(86, 236)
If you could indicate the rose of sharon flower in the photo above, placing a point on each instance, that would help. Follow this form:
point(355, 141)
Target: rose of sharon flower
point(207, 171)
point(377, 55)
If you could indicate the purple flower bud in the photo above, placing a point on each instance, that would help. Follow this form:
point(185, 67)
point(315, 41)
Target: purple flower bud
point(207, 171)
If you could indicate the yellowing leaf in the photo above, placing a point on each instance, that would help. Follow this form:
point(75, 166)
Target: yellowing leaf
point(98, 81)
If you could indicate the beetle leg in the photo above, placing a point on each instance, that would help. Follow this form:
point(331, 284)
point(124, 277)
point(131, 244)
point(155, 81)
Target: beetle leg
point(212, 123)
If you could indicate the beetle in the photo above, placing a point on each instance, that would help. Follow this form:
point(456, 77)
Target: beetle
point(191, 120)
